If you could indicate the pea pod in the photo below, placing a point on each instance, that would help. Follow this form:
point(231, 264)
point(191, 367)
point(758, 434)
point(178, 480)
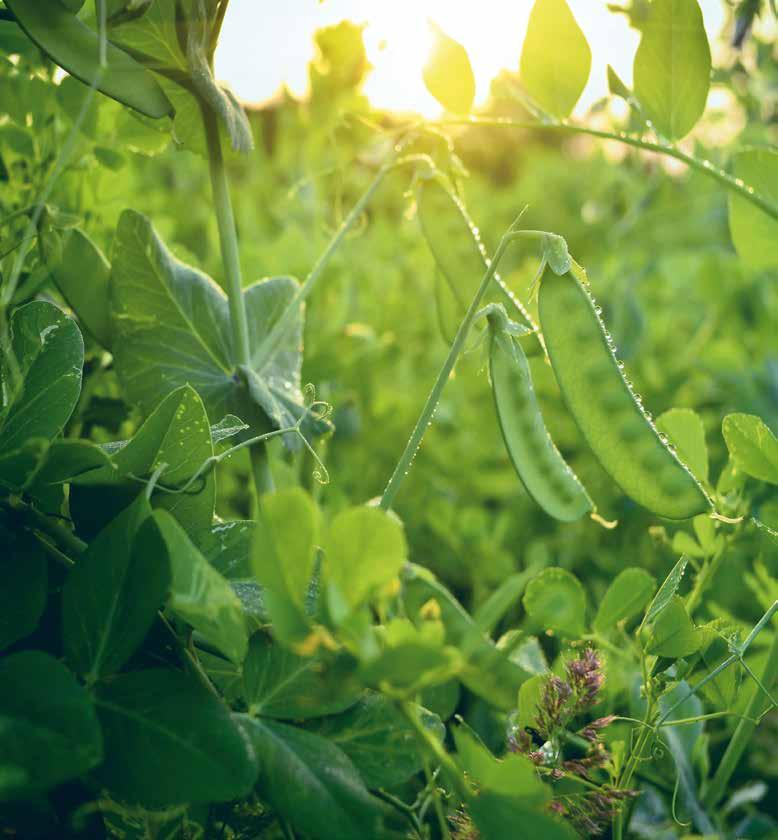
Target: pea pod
point(459, 255)
point(543, 471)
point(608, 412)
point(72, 45)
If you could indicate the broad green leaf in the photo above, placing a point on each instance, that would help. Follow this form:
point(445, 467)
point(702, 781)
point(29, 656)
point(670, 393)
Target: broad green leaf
point(530, 695)
point(672, 67)
point(555, 600)
point(18, 466)
point(628, 595)
point(159, 34)
point(684, 430)
point(496, 816)
point(365, 549)
point(410, 665)
point(514, 776)
point(673, 634)
point(173, 329)
point(48, 729)
point(754, 233)
point(378, 739)
point(112, 594)
point(752, 446)
point(227, 547)
point(666, 591)
point(524, 650)
point(83, 276)
point(312, 784)
point(555, 59)
point(68, 459)
point(49, 354)
point(176, 434)
point(23, 585)
point(200, 595)
point(488, 671)
point(168, 740)
point(283, 555)
point(448, 74)
point(280, 684)
point(722, 690)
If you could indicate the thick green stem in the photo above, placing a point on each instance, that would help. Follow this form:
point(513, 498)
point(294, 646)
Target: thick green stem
point(37, 521)
point(700, 165)
point(745, 729)
point(228, 238)
point(431, 404)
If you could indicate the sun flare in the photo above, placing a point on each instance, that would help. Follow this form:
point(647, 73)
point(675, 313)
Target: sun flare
point(264, 47)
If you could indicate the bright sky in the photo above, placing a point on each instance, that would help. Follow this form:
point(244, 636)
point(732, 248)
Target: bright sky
point(265, 44)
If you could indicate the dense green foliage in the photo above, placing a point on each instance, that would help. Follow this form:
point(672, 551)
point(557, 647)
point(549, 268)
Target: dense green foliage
point(235, 604)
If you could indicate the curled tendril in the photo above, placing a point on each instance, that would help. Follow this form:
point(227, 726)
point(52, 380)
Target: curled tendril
point(657, 751)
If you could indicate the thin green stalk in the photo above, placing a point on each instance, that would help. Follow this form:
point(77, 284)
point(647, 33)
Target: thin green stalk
point(37, 521)
point(272, 340)
point(700, 165)
point(431, 404)
point(703, 579)
point(745, 729)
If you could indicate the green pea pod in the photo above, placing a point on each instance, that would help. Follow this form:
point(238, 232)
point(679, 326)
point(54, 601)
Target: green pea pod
point(459, 254)
point(75, 47)
point(608, 412)
point(543, 471)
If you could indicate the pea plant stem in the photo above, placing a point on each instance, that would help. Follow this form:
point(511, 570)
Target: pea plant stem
point(271, 341)
point(745, 729)
point(431, 404)
point(733, 184)
point(228, 239)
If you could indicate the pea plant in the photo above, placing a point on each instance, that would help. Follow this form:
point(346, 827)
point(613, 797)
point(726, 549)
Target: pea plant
point(267, 661)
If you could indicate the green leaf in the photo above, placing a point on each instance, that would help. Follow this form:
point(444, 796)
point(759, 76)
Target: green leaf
point(513, 776)
point(173, 328)
point(673, 634)
point(628, 594)
point(496, 816)
point(112, 594)
point(83, 276)
point(49, 353)
point(752, 446)
point(312, 784)
point(555, 59)
point(507, 595)
point(48, 729)
point(68, 459)
point(530, 695)
point(672, 67)
point(280, 684)
point(200, 595)
point(488, 671)
point(378, 739)
point(227, 547)
point(176, 434)
point(448, 73)
point(683, 428)
point(168, 740)
point(666, 591)
point(555, 601)
point(23, 585)
point(754, 233)
point(283, 555)
point(365, 549)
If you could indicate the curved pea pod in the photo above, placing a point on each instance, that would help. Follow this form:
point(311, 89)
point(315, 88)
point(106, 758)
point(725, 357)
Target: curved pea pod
point(459, 255)
point(608, 412)
point(72, 45)
point(543, 471)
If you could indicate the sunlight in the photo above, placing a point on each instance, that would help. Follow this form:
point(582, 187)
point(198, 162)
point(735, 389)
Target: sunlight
point(264, 46)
